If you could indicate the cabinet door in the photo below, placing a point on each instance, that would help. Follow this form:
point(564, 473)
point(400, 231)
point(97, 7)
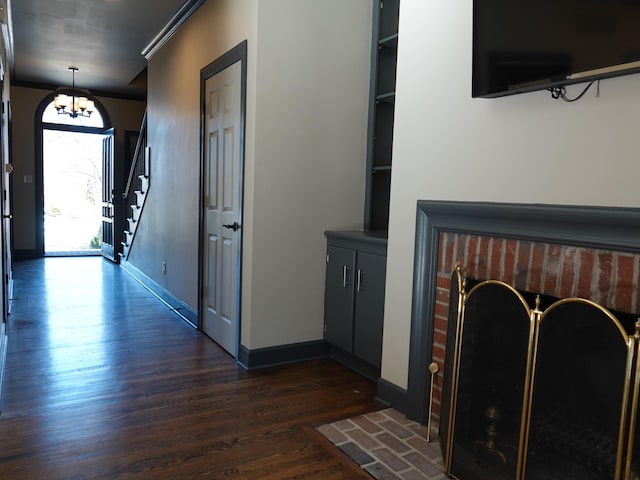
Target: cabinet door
point(338, 303)
point(369, 307)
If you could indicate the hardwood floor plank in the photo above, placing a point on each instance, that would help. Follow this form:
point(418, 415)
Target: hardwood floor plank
point(105, 381)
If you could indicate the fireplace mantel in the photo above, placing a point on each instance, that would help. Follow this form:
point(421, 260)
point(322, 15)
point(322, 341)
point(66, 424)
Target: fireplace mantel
point(605, 228)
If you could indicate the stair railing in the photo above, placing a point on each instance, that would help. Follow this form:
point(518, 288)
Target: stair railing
point(138, 166)
point(137, 181)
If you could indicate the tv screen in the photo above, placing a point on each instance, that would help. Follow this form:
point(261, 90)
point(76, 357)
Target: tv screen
point(526, 45)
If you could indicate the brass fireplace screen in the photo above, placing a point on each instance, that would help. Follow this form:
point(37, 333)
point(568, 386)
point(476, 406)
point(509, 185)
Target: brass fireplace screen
point(538, 388)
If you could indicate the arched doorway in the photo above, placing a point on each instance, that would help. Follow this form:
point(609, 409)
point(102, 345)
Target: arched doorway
point(71, 179)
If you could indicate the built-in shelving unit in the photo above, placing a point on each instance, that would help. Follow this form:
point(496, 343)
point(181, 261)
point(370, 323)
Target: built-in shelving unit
point(356, 261)
point(381, 114)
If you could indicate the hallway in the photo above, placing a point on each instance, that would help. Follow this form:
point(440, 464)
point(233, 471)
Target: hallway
point(105, 381)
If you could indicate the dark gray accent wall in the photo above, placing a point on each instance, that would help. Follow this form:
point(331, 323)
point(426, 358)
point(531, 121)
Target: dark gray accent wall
point(608, 228)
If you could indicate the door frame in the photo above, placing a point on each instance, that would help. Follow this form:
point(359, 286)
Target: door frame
point(236, 54)
point(38, 180)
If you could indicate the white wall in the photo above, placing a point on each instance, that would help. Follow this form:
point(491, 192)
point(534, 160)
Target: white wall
point(311, 118)
point(527, 148)
point(308, 70)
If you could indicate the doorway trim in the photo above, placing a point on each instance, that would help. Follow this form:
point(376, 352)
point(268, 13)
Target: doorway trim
point(39, 127)
point(236, 54)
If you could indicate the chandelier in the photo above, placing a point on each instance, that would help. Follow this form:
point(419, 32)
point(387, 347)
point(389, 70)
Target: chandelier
point(72, 105)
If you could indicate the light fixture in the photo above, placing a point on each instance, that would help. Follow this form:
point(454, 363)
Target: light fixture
point(72, 105)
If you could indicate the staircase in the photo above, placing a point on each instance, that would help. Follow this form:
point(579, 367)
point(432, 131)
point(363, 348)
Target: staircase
point(136, 190)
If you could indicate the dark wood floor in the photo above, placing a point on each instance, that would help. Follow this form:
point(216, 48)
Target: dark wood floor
point(104, 381)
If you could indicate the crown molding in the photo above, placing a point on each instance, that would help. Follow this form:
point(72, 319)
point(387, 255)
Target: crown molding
point(181, 16)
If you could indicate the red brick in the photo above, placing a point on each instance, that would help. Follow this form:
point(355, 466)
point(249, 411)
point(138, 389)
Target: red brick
point(483, 257)
point(636, 284)
point(605, 287)
point(438, 353)
point(624, 283)
point(552, 271)
point(436, 409)
point(459, 249)
point(439, 338)
point(442, 310)
point(392, 442)
point(471, 256)
point(510, 251)
point(536, 269)
point(440, 323)
point(443, 280)
point(499, 245)
point(522, 265)
point(626, 263)
point(568, 272)
point(446, 248)
point(585, 277)
point(442, 295)
point(332, 433)
point(366, 424)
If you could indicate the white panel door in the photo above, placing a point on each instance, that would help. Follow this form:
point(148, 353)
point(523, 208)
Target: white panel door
point(222, 207)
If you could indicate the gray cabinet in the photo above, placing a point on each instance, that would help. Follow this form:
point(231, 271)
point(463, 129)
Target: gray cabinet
point(368, 313)
point(354, 294)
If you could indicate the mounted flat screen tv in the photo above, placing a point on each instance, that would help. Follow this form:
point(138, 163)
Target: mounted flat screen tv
point(525, 45)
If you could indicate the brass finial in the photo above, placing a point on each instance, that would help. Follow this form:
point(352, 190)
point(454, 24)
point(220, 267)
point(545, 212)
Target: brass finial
point(637, 334)
point(538, 302)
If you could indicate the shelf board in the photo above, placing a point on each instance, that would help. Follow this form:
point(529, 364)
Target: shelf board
point(389, 42)
point(382, 168)
point(389, 97)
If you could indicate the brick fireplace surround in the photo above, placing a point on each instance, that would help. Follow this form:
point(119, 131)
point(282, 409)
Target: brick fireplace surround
point(562, 251)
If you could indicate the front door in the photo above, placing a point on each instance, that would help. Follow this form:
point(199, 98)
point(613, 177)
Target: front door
point(108, 195)
point(222, 206)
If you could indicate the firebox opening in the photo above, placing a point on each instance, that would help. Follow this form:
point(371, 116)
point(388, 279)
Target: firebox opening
point(536, 394)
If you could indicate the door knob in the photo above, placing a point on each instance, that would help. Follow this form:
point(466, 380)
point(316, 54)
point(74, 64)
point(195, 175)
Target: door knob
point(233, 227)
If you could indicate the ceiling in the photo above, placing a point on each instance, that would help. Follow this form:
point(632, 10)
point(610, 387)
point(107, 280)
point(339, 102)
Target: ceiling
point(103, 38)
